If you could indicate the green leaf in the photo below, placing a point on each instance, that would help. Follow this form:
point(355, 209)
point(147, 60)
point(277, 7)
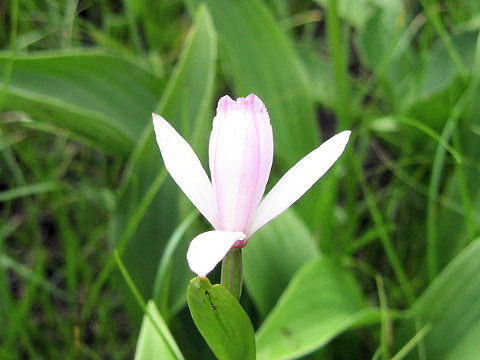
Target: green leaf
point(155, 340)
point(103, 99)
point(185, 104)
point(221, 320)
point(385, 47)
point(320, 76)
point(29, 190)
point(383, 30)
point(451, 306)
point(356, 13)
point(457, 229)
point(322, 301)
point(163, 291)
point(440, 71)
point(262, 60)
point(273, 256)
point(439, 86)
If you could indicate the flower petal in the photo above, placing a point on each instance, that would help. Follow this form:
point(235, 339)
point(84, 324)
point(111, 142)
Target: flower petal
point(185, 168)
point(209, 248)
point(299, 179)
point(241, 154)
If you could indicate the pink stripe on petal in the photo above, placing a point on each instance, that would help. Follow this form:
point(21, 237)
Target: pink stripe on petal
point(265, 142)
point(241, 154)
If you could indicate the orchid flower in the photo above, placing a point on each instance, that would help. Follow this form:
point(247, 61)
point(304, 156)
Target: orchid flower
point(240, 159)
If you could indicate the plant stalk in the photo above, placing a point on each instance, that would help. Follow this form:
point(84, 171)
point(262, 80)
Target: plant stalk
point(232, 272)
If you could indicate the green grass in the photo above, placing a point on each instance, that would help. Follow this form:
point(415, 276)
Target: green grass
point(81, 178)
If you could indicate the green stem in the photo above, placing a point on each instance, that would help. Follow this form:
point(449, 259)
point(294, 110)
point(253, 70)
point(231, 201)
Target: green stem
point(232, 273)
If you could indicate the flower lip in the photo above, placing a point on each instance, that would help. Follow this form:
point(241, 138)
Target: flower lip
point(209, 248)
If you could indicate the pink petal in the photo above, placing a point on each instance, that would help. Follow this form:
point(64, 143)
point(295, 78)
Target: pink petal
point(209, 248)
point(185, 168)
point(298, 180)
point(241, 154)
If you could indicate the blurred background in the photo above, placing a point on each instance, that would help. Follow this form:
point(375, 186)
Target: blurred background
point(384, 246)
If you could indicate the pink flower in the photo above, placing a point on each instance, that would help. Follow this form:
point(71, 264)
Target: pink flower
point(240, 157)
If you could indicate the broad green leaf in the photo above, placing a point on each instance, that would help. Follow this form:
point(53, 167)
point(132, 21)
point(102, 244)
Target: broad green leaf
point(221, 320)
point(382, 28)
point(375, 42)
point(320, 77)
point(384, 47)
point(439, 86)
point(451, 305)
point(185, 104)
point(440, 71)
point(354, 12)
point(103, 99)
point(155, 340)
point(261, 60)
point(273, 256)
point(322, 300)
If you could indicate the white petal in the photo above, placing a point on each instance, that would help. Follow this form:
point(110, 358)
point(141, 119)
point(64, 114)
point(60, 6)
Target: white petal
point(185, 168)
point(209, 248)
point(299, 179)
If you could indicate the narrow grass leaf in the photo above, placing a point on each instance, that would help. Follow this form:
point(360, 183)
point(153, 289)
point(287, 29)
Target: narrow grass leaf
point(322, 301)
point(21, 270)
point(29, 190)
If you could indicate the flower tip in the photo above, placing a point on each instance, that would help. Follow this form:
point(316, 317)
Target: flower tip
point(226, 98)
point(343, 137)
point(345, 133)
point(160, 126)
point(156, 120)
